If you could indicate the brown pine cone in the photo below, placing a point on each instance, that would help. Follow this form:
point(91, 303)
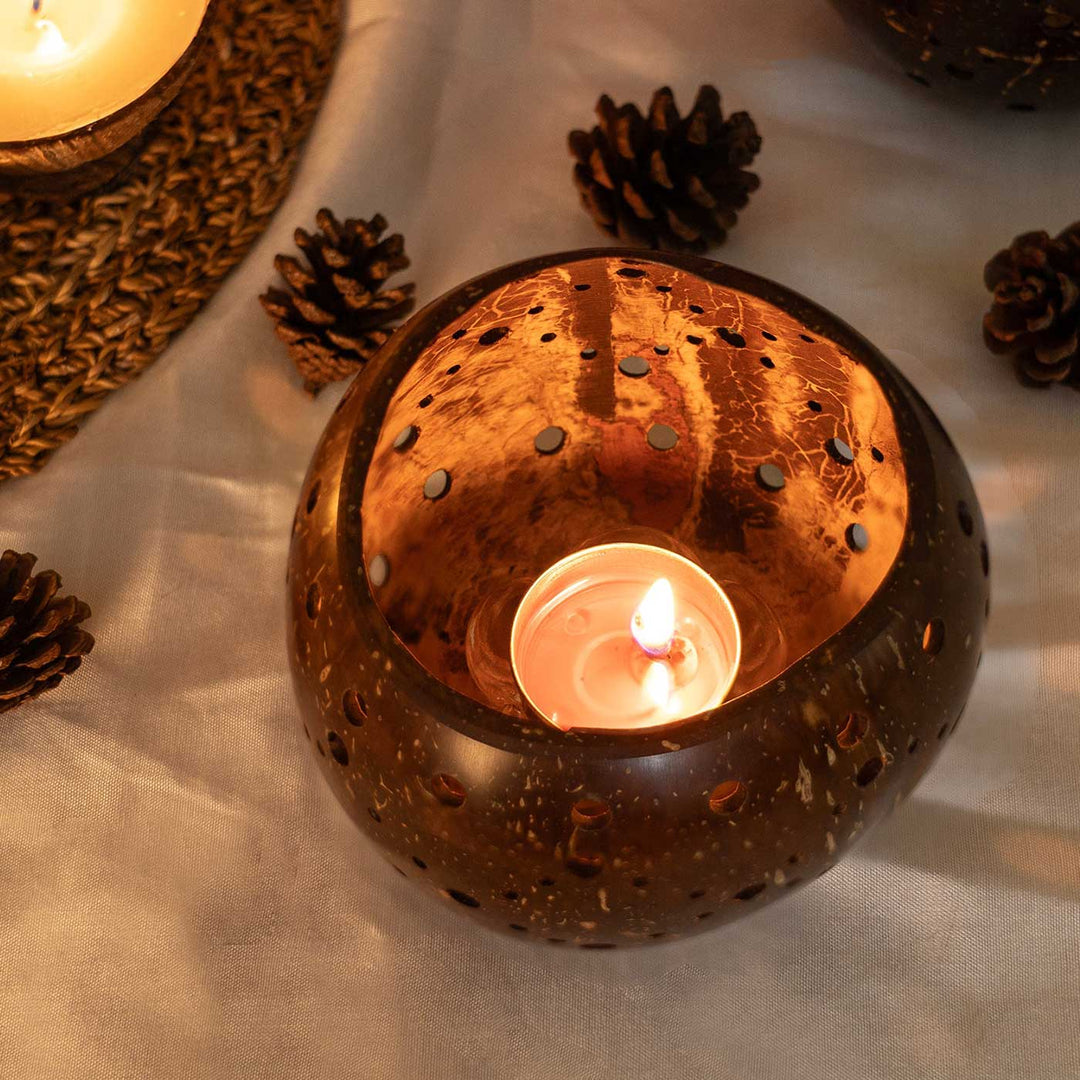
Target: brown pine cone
point(662, 181)
point(1035, 314)
point(40, 637)
point(333, 316)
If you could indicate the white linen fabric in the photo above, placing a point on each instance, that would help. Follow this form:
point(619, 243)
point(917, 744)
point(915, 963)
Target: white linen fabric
point(180, 896)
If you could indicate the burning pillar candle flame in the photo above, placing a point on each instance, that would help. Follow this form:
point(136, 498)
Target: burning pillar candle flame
point(653, 624)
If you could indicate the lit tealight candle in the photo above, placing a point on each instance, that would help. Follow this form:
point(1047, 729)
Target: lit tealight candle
point(67, 63)
point(624, 636)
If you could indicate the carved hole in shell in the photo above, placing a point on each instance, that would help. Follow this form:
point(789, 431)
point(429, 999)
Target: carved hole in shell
point(876, 454)
point(957, 72)
point(448, 789)
point(728, 798)
point(853, 730)
point(496, 333)
point(338, 750)
point(354, 707)
point(519, 927)
point(694, 339)
point(453, 369)
point(943, 730)
point(374, 815)
point(963, 514)
point(591, 814)
point(663, 288)
point(697, 309)
point(419, 862)
point(313, 601)
point(536, 309)
point(814, 406)
point(582, 287)
point(750, 891)
point(426, 400)
point(630, 271)
point(463, 898)
point(546, 882)
point(584, 864)
point(933, 639)
point(457, 335)
point(510, 894)
point(732, 337)
point(807, 338)
point(869, 771)
point(912, 744)
point(984, 558)
point(767, 362)
point(767, 336)
point(313, 495)
point(549, 336)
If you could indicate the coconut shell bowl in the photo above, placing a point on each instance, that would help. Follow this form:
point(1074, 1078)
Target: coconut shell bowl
point(1023, 55)
point(704, 415)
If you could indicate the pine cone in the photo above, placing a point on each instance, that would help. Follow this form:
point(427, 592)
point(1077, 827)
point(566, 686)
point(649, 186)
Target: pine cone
point(333, 316)
point(1035, 314)
point(40, 637)
point(662, 181)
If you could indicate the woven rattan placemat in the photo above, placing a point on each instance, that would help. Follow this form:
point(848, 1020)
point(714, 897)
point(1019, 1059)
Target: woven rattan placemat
point(92, 291)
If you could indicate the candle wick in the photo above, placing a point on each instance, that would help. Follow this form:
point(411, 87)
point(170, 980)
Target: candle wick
point(36, 6)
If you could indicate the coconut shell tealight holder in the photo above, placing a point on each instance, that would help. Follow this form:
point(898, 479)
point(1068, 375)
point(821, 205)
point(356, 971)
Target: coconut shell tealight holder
point(626, 592)
point(1020, 54)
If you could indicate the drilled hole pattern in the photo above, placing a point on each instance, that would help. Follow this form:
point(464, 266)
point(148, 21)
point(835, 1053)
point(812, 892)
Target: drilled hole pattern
point(728, 798)
point(337, 748)
point(750, 891)
point(490, 337)
point(463, 898)
point(853, 730)
point(869, 771)
point(591, 814)
point(313, 601)
point(963, 514)
point(933, 639)
point(448, 790)
point(354, 707)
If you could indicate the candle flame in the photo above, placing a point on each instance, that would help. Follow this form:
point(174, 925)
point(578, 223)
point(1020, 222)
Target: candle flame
point(51, 45)
point(653, 624)
point(658, 684)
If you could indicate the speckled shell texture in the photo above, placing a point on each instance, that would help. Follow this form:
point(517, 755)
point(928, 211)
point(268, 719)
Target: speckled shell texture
point(1021, 54)
point(599, 839)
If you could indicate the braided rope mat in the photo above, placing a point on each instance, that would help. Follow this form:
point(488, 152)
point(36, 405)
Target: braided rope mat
point(91, 292)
